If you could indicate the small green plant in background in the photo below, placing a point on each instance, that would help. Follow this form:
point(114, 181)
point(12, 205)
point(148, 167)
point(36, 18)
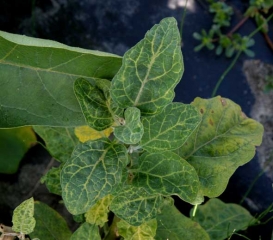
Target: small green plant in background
point(231, 42)
point(123, 145)
point(268, 84)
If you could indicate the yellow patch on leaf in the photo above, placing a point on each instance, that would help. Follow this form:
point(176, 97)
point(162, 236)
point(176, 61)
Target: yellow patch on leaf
point(85, 133)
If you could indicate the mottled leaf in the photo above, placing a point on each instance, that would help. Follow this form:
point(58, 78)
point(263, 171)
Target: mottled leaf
point(135, 205)
point(131, 132)
point(22, 219)
point(14, 143)
point(220, 219)
point(172, 225)
point(86, 231)
point(146, 231)
point(86, 133)
point(150, 70)
point(94, 170)
point(37, 79)
point(50, 225)
point(60, 142)
point(52, 180)
point(169, 129)
point(224, 140)
point(167, 174)
point(93, 104)
point(98, 214)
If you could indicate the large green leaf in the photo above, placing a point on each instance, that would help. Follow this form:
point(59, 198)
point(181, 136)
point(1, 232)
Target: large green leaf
point(224, 140)
point(37, 79)
point(93, 104)
point(94, 170)
point(60, 142)
point(150, 70)
point(14, 143)
point(135, 205)
point(86, 231)
point(145, 231)
point(131, 132)
point(173, 225)
point(98, 214)
point(50, 225)
point(22, 219)
point(220, 219)
point(169, 129)
point(167, 174)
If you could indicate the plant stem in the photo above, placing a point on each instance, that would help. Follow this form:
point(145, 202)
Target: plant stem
point(237, 26)
point(235, 59)
point(183, 20)
point(112, 234)
point(194, 210)
point(268, 40)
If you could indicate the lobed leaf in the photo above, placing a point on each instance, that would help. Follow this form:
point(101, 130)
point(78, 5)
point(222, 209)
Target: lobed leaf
point(150, 70)
point(94, 170)
point(37, 79)
point(220, 219)
point(224, 140)
point(145, 231)
point(60, 142)
point(93, 104)
point(98, 214)
point(131, 132)
point(169, 129)
point(50, 225)
point(86, 133)
point(14, 143)
point(22, 219)
point(86, 231)
point(173, 225)
point(167, 174)
point(135, 205)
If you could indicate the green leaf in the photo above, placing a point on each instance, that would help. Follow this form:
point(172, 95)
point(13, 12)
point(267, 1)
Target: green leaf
point(52, 180)
point(150, 70)
point(132, 131)
point(14, 143)
point(85, 133)
point(94, 170)
point(167, 174)
point(22, 219)
point(98, 214)
point(169, 129)
point(60, 142)
point(173, 225)
point(220, 219)
point(50, 225)
point(224, 140)
point(135, 205)
point(86, 231)
point(145, 231)
point(37, 79)
point(93, 104)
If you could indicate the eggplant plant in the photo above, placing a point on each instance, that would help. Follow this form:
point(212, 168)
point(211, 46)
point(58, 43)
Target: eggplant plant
point(124, 147)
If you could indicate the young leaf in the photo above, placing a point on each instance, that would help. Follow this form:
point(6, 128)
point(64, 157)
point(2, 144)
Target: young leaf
point(167, 174)
point(86, 231)
point(93, 104)
point(169, 129)
point(30, 93)
point(224, 140)
point(150, 70)
point(131, 132)
point(145, 231)
point(49, 224)
point(220, 219)
point(14, 143)
point(60, 142)
point(94, 170)
point(22, 219)
point(85, 133)
point(98, 214)
point(52, 180)
point(173, 225)
point(135, 205)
